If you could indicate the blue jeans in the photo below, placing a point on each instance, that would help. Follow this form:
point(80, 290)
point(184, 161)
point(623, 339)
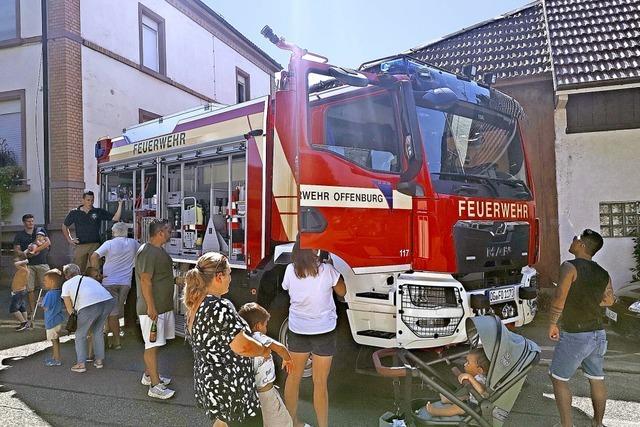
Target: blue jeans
point(577, 349)
point(92, 319)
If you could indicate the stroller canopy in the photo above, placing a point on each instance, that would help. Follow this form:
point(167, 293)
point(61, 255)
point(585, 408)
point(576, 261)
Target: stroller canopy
point(509, 353)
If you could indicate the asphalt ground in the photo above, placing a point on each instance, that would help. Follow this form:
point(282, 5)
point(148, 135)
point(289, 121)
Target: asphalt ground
point(32, 394)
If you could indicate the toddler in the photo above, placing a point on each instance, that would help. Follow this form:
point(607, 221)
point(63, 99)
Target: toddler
point(475, 371)
point(53, 317)
point(274, 413)
point(19, 293)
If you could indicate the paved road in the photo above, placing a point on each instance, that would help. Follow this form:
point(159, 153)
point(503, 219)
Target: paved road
point(34, 395)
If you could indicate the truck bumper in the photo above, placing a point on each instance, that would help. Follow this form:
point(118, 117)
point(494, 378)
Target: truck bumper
point(427, 310)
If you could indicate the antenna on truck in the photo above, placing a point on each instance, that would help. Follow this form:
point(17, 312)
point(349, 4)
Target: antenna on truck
point(296, 51)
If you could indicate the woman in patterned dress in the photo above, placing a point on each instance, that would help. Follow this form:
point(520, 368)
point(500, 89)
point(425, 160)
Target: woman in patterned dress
point(222, 346)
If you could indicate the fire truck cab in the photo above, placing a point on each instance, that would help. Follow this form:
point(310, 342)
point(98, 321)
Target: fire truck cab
point(412, 179)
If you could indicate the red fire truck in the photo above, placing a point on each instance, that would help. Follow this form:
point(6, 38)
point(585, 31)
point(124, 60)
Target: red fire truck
point(412, 179)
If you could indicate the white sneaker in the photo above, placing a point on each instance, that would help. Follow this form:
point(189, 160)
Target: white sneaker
point(160, 391)
point(146, 380)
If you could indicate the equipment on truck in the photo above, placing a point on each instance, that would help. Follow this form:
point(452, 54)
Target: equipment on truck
point(414, 180)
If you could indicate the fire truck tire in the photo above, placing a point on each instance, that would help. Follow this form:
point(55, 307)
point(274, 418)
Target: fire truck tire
point(479, 302)
point(278, 327)
point(528, 293)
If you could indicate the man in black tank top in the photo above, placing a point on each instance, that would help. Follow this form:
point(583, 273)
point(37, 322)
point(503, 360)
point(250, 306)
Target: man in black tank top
point(584, 289)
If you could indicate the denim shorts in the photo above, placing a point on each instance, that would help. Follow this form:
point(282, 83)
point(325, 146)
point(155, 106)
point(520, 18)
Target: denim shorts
point(579, 349)
point(320, 345)
point(18, 302)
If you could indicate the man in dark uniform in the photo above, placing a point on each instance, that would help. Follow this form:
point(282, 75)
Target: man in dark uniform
point(37, 255)
point(584, 289)
point(87, 220)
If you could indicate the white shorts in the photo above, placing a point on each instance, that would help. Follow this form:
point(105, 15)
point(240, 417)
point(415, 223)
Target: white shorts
point(166, 329)
point(274, 413)
point(54, 333)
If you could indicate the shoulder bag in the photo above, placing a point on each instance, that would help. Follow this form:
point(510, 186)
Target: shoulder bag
point(72, 321)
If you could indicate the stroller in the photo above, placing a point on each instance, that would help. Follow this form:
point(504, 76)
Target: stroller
point(511, 357)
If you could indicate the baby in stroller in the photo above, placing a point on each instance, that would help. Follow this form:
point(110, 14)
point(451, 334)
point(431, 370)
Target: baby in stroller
point(475, 371)
point(497, 366)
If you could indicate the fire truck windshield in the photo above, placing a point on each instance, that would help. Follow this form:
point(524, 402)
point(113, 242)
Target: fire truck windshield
point(473, 152)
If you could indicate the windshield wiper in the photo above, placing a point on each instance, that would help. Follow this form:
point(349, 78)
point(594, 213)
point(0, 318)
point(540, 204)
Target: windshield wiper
point(490, 181)
point(464, 177)
point(513, 182)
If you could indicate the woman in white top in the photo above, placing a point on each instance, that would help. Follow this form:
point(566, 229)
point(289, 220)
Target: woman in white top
point(93, 303)
point(312, 323)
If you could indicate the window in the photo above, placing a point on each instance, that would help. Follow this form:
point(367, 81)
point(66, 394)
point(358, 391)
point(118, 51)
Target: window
point(242, 86)
point(9, 19)
point(602, 111)
point(145, 116)
point(364, 132)
point(619, 219)
point(12, 126)
point(152, 40)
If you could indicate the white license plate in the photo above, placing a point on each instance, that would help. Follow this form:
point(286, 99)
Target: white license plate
point(611, 314)
point(502, 294)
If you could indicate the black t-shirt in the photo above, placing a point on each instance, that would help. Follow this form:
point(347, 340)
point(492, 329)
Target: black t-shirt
point(87, 224)
point(24, 239)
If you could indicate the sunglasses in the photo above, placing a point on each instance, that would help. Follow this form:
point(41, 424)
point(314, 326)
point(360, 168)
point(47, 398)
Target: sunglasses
point(586, 232)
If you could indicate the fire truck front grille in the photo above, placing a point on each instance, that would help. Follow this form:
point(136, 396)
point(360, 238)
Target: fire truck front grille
point(419, 305)
point(432, 327)
point(430, 297)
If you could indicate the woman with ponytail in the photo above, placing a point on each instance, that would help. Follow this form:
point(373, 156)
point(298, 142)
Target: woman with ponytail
point(312, 323)
point(222, 346)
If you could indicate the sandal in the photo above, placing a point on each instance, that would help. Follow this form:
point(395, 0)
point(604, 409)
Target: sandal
point(79, 368)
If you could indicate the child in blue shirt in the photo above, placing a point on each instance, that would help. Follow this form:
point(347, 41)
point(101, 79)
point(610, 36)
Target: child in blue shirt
point(53, 317)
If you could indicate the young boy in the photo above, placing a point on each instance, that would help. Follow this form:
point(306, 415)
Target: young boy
point(19, 293)
point(53, 318)
point(475, 371)
point(274, 413)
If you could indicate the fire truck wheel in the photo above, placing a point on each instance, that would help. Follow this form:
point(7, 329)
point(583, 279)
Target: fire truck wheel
point(278, 327)
point(528, 293)
point(478, 302)
point(282, 337)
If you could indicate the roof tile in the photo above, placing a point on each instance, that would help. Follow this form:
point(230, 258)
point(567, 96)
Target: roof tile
point(598, 38)
point(509, 45)
point(590, 41)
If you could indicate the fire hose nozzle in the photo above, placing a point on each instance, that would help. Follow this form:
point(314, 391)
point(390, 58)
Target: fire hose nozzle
point(268, 33)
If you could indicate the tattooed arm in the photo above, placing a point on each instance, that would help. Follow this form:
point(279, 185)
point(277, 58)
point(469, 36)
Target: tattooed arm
point(608, 298)
point(568, 275)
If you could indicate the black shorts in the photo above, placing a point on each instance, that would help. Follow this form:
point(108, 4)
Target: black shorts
point(320, 345)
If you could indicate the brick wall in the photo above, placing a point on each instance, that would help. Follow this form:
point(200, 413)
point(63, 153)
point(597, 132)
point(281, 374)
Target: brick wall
point(65, 107)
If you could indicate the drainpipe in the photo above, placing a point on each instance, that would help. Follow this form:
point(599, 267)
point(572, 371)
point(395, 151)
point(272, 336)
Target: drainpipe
point(45, 110)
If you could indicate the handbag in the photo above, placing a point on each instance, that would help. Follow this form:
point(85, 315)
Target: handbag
point(72, 321)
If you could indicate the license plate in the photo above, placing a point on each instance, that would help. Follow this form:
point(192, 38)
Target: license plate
point(502, 294)
point(611, 314)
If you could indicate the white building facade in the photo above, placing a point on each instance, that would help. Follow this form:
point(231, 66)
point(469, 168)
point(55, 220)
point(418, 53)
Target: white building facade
point(111, 64)
point(597, 172)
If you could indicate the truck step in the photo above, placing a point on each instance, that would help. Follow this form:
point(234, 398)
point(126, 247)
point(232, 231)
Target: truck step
point(373, 295)
point(377, 334)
